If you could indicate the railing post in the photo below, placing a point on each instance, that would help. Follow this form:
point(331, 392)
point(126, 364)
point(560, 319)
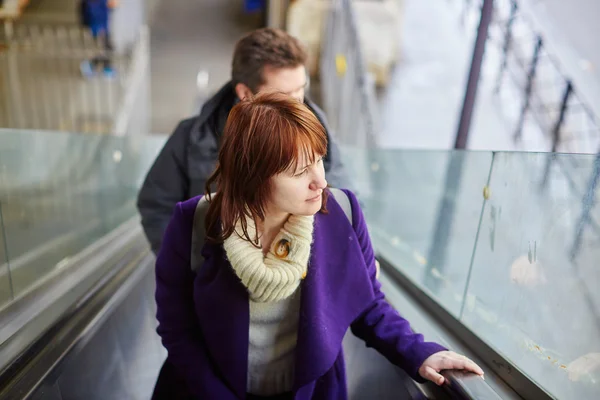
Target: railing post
point(466, 114)
point(588, 202)
point(507, 44)
point(561, 117)
point(528, 87)
point(556, 131)
point(436, 257)
point(4, 245)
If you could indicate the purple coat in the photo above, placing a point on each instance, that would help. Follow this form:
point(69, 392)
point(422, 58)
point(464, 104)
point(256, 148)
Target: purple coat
point(204, 317)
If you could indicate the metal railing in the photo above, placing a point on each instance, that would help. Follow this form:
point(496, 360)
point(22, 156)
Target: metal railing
point(530, 71)
point(41, 86)
point(549, 96)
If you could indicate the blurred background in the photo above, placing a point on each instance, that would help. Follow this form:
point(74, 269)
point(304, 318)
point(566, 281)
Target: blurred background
point(470, 129)
point(416, 58)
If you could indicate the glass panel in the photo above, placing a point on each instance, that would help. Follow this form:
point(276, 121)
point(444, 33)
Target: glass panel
point(5, 286)
point(533, 293)
point(61, 192)
point(404, 193)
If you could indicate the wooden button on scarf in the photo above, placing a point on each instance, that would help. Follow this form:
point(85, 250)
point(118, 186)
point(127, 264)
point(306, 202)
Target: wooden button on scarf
point(283, 249)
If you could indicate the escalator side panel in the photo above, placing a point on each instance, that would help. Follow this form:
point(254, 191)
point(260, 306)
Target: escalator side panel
point(372, 376)
point(120, 361)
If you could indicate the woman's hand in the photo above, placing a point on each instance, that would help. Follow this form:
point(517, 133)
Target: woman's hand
point(444, 360)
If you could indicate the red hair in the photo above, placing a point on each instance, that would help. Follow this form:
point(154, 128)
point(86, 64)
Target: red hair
point(264, 136)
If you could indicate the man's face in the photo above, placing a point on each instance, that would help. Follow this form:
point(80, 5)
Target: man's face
point(291, 81)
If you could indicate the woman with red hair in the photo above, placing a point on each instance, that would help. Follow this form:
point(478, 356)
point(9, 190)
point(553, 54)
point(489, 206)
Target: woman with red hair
point(284, 273)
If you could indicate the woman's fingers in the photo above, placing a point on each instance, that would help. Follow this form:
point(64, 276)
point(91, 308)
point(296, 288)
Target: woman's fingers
point(446, 360)
point(471, 366)
point(451, 360)
point(432, 375)
point(466, 364)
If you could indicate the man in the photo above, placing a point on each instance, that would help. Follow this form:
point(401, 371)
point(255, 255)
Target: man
point(265, 59)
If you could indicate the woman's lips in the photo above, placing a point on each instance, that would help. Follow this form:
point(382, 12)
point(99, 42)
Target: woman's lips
point(316, 198)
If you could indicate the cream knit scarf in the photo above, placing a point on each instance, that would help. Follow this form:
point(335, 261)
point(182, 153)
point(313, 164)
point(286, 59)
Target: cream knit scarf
point(277, 275)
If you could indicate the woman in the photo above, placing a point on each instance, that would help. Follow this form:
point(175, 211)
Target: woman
point(285, 273)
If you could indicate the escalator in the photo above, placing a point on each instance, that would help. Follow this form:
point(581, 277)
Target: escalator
point(104, 344)
point(77, 311)
point(504, 272)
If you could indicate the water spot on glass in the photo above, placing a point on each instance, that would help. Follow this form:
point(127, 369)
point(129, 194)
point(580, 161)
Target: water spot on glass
point(117, 156)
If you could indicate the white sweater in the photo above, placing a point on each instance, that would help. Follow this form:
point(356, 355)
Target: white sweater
point(272, 344)
point(273, 284)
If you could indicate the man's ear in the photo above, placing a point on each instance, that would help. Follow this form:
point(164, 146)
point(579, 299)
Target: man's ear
point(243, 92)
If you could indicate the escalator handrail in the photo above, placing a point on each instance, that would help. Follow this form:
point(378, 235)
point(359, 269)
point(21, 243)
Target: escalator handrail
point(496, 366)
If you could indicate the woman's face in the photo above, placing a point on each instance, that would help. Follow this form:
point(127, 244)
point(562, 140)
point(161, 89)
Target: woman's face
point(299, 191)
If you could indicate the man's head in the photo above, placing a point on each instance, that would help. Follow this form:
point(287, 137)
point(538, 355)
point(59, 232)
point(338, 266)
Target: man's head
point(269, 59)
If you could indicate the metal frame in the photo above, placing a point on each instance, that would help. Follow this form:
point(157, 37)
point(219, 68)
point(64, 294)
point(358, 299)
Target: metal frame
point(445, 213)
point(464, 124)
point(6, 252)
point(556, 132)
point(588, 202)
point(528, 88)
point(508, 37)
point(436, 256)
point(539, 61)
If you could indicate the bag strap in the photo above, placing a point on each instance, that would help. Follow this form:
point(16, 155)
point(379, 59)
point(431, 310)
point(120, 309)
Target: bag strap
point(199, 231)
point(342, 199)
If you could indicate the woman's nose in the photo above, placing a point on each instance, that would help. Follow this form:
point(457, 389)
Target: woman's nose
point(318, 183)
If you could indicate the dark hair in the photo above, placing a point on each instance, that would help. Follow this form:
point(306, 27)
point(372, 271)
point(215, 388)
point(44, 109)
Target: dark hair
point(264, 47)
point(263, 136)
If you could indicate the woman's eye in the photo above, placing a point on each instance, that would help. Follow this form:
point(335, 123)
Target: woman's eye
point(302, 173)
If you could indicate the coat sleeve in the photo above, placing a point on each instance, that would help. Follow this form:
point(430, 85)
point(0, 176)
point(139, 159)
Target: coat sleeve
point(380, 326)
point(165, 185)
point(178, 325)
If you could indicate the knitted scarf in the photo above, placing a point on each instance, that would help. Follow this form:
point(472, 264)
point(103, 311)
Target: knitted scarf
point(277, 275)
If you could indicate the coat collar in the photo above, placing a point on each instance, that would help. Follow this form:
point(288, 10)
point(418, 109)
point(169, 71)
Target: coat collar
point(335, 292)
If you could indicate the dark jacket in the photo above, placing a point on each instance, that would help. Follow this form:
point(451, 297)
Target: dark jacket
point(204, 316)
point(189, 158)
